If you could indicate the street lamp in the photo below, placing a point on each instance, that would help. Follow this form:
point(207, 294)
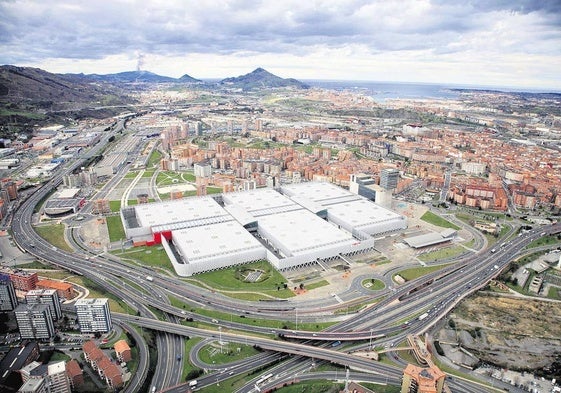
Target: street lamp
point(371, 339)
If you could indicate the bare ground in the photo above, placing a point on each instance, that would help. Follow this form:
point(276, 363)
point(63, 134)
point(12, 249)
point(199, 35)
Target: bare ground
point(515, 333)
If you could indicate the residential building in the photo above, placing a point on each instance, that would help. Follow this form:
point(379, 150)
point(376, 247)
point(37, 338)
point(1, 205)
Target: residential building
point(53, 375)
point(422, 380)
point(75, 374)
point(64, 289)
point(23, 281)
point(107, 370)
point(35, 321)
point(48, 297)
point(122, 351)
point(389, 177)
point(13, 361)
point(93, 315)
point(8, 299)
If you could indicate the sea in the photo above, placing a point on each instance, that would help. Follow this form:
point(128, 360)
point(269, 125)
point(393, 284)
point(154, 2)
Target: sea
point(382, 91)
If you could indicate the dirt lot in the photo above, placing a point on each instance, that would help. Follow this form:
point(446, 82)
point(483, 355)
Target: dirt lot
point(515, 333)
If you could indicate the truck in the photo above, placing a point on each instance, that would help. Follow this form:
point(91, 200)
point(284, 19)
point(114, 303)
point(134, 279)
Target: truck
point(423, 316)
point(149, 278)
point(193, 383)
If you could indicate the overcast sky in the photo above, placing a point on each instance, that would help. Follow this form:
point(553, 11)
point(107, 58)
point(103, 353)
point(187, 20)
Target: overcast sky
point(477, 42)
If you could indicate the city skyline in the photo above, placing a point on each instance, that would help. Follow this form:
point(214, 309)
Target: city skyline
point(516, 43)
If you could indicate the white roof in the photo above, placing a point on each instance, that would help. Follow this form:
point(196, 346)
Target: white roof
point(200, 243)
point(425, 240)
point(319, 192)
point(91, 301)
point(257, 200)
point(362, 212)
point(68, 193)
point(178, 210)
point(301, 232)
point(56, 368)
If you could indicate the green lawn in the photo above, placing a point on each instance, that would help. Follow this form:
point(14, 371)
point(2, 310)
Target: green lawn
point(115, 228)
point(227, 353)
point(148, 173)
point(314, 386)
point(442, 253)
point(154, 159)
point(317, 284)
point(213, 190)
point(58, 356)
point(544, 241)
point(413, 273)
point(373, 284)
point(54, 234)
point(154, 256)
point(166, 178)
point(115, 206)
point(231, 278)
point(432, 218)
point(247, 320)
point(187, 366)
point(115, 304)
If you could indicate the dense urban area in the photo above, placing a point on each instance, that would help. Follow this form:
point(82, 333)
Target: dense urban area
point(260, 234)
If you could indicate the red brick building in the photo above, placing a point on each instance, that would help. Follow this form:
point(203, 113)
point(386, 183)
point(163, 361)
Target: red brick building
point(74, 373)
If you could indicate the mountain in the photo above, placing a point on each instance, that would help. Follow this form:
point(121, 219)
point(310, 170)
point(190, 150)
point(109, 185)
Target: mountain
point(259, 79)
point(131, 77)
point(34, 85)
point(136, 77)
point(188, 79)
point(30, 96)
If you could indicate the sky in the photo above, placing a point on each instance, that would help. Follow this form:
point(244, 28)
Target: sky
point(510, 43)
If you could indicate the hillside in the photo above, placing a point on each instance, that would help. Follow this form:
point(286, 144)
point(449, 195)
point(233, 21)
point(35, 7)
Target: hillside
point(30, 96)
point(47, 90)
point(261, 79)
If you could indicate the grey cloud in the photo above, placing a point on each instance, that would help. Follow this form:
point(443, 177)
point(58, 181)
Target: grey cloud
point(71, 29)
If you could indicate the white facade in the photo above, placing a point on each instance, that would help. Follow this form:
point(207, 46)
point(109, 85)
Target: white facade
point(311, 221)
point(351, 212)
point(177, 210)
point(93, 315)
point(216, 246)
point(365, 216)
point(260, 202)
point(48, 297)
point(301, 232)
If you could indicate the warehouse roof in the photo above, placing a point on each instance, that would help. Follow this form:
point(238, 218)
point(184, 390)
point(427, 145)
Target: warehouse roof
point(178, 210)
point(258, 201)
point(362, 212)
point(300, 232)
point(200, 243)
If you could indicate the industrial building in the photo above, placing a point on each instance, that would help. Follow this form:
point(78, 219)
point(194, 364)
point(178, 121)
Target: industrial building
point(349, 211)
point(431, 239)
point(297, 225)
